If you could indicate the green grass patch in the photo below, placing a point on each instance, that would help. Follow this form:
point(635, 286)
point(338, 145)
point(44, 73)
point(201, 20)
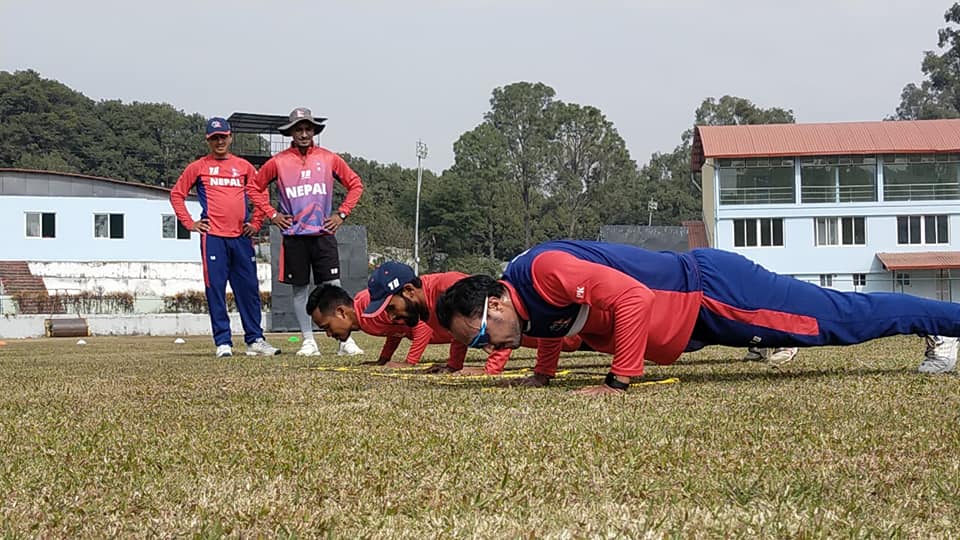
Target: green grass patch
point(141, 437)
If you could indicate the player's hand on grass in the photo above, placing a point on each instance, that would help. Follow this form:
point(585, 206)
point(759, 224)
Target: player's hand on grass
point(434, 370)
point(536, 380)
point(599, 390)
point(248, 230)
point(396, 364)
point(201, 225)
point(468, 371)
point(332, 223)
point(283, 221)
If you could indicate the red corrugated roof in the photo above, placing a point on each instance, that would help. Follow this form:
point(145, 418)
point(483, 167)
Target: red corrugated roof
point(772, 140)
point(923, 260)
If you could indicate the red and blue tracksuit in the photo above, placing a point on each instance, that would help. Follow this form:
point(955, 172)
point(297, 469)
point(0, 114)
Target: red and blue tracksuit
point(638, 304)
point(223, 189)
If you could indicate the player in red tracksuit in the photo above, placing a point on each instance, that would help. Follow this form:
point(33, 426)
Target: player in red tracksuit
point(638, 304)
point(305, 175)
point(224, 183)
point(405, 314)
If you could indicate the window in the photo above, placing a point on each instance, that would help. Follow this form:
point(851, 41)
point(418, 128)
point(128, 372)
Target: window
point(832, 179)
point(756, 181)
point(108, 225)
point(834, 231)
point(41, 225)
point(757, 232)
point(923, 230)
point(921, 177)
point(859, 280)
point(172, 228)
point(826, 280)
point(903, 279)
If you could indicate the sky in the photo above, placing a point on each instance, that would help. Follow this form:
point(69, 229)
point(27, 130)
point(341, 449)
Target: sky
point(387, 73)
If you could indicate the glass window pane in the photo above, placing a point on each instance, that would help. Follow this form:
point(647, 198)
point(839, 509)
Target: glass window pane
point(846, 226)
point(751, 232)
point(914, 229)
point(101, 226)
point(765, 232)
point(930, 229)
point(821, 226)
point(943, 230)
point(183, 233)
point(48, 227)
point(116, 225)
point(757, 185)
point(33, 224)
point(739, 234)
point(903, 230)
point(857, 183)
point(816, 184)
point(860, 233)
point(832, 236)
point(168, 226)
point(778, 232)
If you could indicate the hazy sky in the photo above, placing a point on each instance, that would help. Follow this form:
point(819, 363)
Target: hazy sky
point(389, 72)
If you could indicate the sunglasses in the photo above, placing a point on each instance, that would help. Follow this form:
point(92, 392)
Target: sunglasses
point(483, 338)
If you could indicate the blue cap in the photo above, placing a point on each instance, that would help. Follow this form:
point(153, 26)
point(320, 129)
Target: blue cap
point(217, 126)
point(386, 280)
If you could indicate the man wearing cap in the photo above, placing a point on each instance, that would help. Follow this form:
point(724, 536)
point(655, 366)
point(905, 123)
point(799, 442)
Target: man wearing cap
point(396, 305)
point(224, 182)
point(305, 174)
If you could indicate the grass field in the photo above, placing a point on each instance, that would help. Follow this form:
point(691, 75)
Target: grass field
point(140, 437)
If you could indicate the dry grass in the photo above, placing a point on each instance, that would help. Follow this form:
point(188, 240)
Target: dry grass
point(142, 438)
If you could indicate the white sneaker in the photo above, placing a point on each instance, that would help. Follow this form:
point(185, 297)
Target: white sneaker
point(349, 348)
point(260, 347)
point(756, 354)
point(224, 351)
point(782, 355)
point(940, 356)
point(309, 348)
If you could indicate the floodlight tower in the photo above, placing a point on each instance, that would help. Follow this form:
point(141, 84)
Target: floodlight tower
point(421, 155)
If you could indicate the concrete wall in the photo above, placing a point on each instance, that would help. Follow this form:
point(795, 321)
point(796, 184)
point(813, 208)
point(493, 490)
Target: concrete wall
point(74, 240)
point(168, 324)
point(658, 238)
point(352, 241)
point(154, 279)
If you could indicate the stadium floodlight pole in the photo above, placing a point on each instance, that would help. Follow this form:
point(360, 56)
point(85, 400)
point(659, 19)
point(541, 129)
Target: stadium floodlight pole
point(421, 155)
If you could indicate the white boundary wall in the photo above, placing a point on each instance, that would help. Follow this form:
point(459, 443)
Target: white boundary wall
point(162, 324)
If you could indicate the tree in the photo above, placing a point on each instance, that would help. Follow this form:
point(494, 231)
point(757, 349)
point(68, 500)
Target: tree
point(939, 95)
point(519, 113)
point(586, 153)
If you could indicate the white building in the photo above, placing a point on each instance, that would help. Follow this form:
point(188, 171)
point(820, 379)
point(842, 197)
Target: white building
point(869, 206)
point(71, 233)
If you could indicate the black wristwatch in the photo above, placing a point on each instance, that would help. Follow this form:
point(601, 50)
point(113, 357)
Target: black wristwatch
point(615, 383)
point(343, 215)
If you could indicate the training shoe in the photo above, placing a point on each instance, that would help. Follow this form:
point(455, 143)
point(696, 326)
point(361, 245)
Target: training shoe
point(782, 355)
point(260, 347)
point(756, 354)
point(309, 348)
point(940, 356)
point(224, 351)
point(349, 348)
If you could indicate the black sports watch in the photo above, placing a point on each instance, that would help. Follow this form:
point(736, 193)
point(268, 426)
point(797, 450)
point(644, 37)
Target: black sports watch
point(613, 382)
point(343, 215)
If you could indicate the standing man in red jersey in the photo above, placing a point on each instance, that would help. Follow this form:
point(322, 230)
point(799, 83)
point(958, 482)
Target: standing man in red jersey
point(305, 174)
point(224, 182)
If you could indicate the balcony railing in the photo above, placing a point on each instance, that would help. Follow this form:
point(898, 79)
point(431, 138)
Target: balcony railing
point(833, 194)
point(757, 195)
point(920, 192)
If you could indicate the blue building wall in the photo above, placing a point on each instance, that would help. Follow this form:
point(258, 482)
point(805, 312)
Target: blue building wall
point(74, 240)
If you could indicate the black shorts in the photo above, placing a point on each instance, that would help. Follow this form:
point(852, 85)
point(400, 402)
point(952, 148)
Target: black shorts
point(300, 254)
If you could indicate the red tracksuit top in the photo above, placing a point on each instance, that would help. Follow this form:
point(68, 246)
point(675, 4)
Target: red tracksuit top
point(626, 319)
point(424, 333)
point(305, 187)
point(223, 188)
